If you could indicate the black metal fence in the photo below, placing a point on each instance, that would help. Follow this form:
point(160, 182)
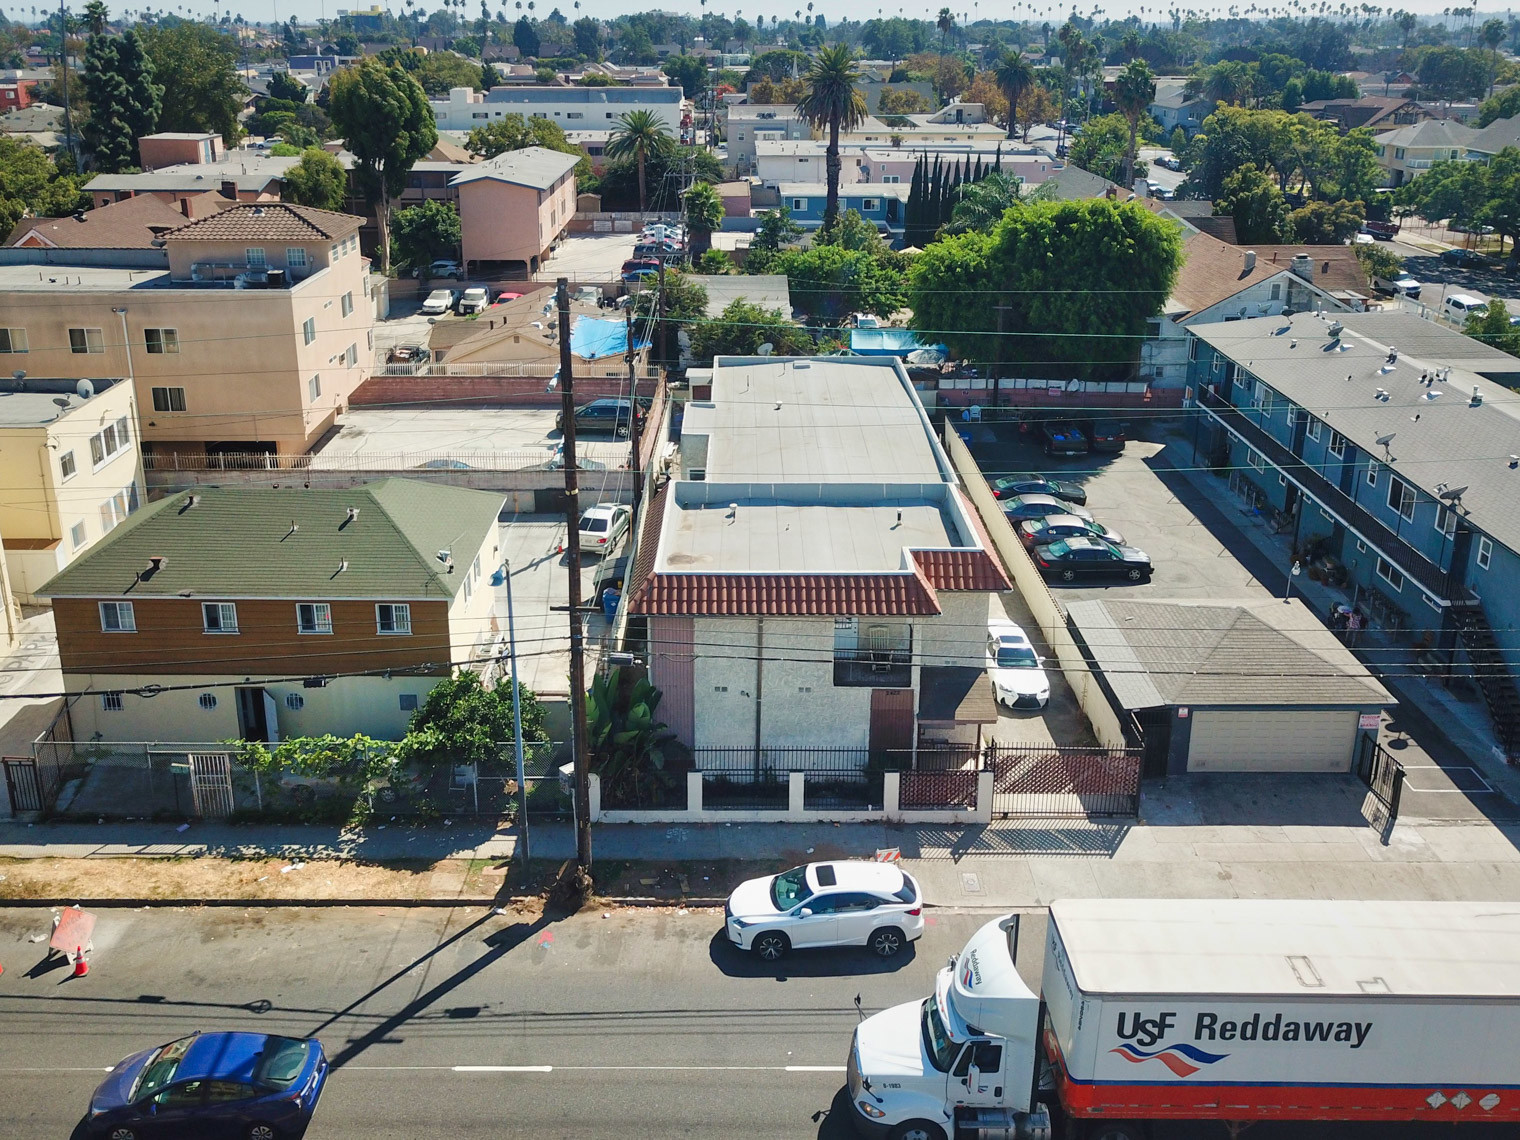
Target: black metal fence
point(1034, 781)
point(1384, 777)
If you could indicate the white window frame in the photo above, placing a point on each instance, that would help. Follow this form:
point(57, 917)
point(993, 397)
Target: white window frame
point(397, 614)
point(314, 388)
point(126, 617)
point(346, 303)
point(321, 619)
point(79, 534)
point(255, 256)
point(219, 618)
point(89, 342)
point(13, 341)
point(1374, 468)
point(1446, 520)
point(869, 204)
point(1407, 498)
point(1314, 428)
point(295, 256)
point(1391, 574)
point(111, 702)
point(1255, 460)
point(799, 204)
point(161, 342)
point(67, 467)
point(166, 404)
point(309, 330)
point(1337, 445)
point(1485, 552)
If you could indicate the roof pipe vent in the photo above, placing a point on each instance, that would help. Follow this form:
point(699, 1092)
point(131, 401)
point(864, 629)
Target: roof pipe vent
point(1250, 260)
point(353, 514)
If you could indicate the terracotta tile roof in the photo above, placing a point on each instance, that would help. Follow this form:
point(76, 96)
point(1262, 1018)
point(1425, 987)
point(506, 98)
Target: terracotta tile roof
point(1213, 271)
point(793, 594)
point(130, 224)
point(268, 221)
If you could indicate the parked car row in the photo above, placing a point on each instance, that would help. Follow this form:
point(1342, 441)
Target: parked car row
point(1061, 535)
point(1079, 437)
point(466, 302)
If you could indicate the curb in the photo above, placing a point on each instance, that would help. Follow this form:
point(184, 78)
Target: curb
point(270, 904)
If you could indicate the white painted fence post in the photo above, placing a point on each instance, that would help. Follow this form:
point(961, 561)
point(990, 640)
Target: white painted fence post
point(984, 795)
point(594, 797)
point(891, 795)
point(694, 794)
point(796, 795)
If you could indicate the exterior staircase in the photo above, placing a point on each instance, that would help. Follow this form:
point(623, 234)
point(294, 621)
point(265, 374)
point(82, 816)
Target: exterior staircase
point(1495, 675)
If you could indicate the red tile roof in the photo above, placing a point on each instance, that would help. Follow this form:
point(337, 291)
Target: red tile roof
point(795, 594)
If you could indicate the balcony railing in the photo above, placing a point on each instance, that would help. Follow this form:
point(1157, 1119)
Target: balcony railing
point(873, 668)
point(1355, 518)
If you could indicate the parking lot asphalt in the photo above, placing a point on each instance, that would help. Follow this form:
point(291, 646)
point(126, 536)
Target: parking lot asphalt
point(1440, 279)
point(588, 257)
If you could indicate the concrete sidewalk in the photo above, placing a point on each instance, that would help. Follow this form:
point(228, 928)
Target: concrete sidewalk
point(1199, 837)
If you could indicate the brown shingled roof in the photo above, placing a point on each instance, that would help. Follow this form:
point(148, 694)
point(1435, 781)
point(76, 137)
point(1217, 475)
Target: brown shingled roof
point(1213, 271)
point(268, 221)
point(129, 224)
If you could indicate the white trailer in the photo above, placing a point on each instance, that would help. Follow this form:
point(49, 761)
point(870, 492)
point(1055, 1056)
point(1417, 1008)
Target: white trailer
point(1233, 1010)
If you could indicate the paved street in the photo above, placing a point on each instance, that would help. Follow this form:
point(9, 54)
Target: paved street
point(638, 1024)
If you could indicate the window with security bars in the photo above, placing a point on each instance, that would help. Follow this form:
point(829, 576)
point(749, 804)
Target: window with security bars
point(219, 617)
point(314, 617)
point(393, 618)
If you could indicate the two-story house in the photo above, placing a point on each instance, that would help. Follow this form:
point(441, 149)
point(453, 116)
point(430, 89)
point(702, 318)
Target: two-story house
point(747, 124)
point(264, 614)
point(883, 204)
point(1392, 460)
point(70, 467)
point(814, 576)
point(249, 343)
point(513, 207)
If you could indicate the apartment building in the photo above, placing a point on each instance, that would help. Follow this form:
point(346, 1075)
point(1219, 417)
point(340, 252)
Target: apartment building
point(264, 614)
point(70, 466)
point(814, 577)
point(250, 342)
point(514, 207)
point(748, 124)
point(171, 147)
point(573, 108)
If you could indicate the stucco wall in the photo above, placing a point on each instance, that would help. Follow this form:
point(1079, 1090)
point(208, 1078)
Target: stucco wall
point(500, 221)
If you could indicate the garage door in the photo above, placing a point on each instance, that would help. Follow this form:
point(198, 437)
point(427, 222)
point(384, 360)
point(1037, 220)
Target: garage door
point(1272, 741)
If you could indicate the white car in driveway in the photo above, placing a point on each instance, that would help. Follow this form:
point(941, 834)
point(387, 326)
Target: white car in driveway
point(1018, 676)
point(603, 527)
point(438, 302)
point(851, 902)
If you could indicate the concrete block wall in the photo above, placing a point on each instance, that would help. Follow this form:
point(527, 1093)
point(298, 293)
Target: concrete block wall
point(487, 391)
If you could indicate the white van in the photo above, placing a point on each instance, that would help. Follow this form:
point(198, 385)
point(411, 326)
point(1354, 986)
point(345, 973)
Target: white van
point(1459, 306)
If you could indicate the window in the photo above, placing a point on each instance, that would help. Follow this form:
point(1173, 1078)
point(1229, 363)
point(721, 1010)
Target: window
point(799, 203)
point(1390, 574)
point(207, 701)
point(78, 535)
point(1401, 497)
point(108, 441)
point(867, 205)
point(575, 114)
point(1255, 461)
point(219, 617)
point(256, 258)
point(12, 340)
point(1314, 427)
point(123, 431)
point(1337, 445)
point(393, 618)
point(117, 617)
point(161, 341)
point(295, 257)
point(469, 590)
point(110, 702)
point(1485, 552)
point(1276, 291)
point(332, 250)
point(309, 330)
point(66, 466)
point(86, 340)
point(314, 387)
point(1446, 521)
point(475, 568)
point(314, 617)
point(891, 177)
point(346, 303)
point(295, 702)
point(352, 355)
point(168, 399)
point(1373, 468)
point(408, 702)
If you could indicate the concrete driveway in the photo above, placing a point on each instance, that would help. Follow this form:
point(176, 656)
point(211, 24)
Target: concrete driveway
point(589, 257)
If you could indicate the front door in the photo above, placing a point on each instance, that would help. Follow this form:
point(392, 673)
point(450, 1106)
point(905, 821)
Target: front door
point(891, 740)
point(256, 715)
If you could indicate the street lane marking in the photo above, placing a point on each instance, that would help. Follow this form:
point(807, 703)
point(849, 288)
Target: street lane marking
point(815, 1068)
point(503, 1068)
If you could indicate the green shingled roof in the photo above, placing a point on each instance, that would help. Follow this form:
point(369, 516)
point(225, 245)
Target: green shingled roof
point(288, 542)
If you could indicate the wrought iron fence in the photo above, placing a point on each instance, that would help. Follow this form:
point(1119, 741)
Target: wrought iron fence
point(1030, 780)
point(953, 790)
point(738, 790)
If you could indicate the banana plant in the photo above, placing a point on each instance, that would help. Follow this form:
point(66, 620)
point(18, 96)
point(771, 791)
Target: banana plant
point(626, 741)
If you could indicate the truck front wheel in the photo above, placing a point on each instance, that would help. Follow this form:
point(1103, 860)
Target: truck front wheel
point(1116, 1130)
point(917, 1130)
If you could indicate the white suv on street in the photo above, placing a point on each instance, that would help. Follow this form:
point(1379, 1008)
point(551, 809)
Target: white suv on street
point(846, 903)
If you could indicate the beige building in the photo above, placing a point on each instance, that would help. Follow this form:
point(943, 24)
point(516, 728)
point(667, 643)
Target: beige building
point(513, 207)
point(250, 343)
point(71, 469)
point(524, 339)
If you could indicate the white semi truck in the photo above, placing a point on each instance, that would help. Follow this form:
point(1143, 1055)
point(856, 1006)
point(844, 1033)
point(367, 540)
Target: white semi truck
point(1231, 1010)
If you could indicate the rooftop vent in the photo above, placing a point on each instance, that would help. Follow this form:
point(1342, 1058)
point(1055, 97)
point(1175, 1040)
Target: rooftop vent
point(1303, 266)
point(1250, 260)
point(353, 514)
point(192, 501)
point(1336, 329)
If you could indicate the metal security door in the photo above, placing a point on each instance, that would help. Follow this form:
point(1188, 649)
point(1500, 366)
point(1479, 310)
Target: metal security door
point(211, 784)
point(23, 784)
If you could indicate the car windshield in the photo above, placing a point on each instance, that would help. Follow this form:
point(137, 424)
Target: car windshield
point(281, 1062)
point(160, 1069)
point(1016, 657)
point(790, 888)
point(595, 524)
point(941, 1048)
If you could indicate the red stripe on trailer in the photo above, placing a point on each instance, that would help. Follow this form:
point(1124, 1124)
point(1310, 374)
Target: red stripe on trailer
point(1187, 1100)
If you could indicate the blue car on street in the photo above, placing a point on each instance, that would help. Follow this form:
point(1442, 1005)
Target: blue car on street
point(241, 1086)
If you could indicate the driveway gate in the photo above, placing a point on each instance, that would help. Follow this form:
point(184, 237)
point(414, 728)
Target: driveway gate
point(23, 783)
point(1033, 780)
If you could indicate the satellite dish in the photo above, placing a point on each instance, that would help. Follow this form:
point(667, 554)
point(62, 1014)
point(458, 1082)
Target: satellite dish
point(766, 349)
point(1453, 495)
point(1385, 440)
point(61, 401)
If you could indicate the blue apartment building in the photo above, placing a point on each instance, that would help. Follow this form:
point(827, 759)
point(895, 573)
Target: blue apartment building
point(883, 203)
point(1395, 469)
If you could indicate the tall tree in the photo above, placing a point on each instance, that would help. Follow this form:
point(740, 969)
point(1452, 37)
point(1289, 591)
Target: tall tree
point(426, 232)
point(283, 85)
point(388, 126)
point(1252, 198)
point(704, 214)
point(525, 38)
point(197, 66)
point(1133, 92)
point(638, 135)
point(124, 101)
point(318, 179)
point(834, 102)
point(1015, 77)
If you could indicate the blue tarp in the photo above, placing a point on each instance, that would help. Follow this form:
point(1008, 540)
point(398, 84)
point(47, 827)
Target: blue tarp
point(592, 338)
point(887, 342)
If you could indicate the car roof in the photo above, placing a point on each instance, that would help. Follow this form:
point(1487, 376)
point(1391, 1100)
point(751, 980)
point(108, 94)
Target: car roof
point(1066, 519)
point(1005, 630)
point(854, 875)
point(1044, 500)
point(1083, 542)
point(222, 1056)
point(602, 509)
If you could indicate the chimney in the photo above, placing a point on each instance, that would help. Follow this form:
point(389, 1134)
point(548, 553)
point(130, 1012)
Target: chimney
point(1250, 260)
point(229, 189)
point(1303, 266)
point(184, 206)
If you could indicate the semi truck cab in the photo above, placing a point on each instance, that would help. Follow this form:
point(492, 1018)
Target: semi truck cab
point(959, 1064)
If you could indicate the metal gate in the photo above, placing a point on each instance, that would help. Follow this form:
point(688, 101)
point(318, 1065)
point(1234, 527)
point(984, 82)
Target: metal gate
point(23, 784)
point(938, 791)
point(1029, 780)
point(1385, 784)
point(211, 784)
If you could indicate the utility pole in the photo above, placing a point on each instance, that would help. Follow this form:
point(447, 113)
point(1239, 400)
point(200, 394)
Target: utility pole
point(63, 55)
point(633, 430)
point(659, 312)
point(577, 620)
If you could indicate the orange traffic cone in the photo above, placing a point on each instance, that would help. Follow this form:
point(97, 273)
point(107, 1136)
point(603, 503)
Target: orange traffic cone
point(81, 964)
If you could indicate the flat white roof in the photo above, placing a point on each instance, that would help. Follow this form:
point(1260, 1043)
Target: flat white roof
point(1291, 948)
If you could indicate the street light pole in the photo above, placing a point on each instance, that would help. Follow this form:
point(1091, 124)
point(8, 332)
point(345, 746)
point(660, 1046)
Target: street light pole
point(1288, 589)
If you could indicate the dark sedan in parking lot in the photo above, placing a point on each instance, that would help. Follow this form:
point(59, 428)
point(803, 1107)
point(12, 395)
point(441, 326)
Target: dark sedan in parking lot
point(1073, 558)
point(1044, 531)
point(1025, 483)
point(1038, 506)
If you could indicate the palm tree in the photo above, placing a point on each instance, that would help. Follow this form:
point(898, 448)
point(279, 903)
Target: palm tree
point(833, 101)
point(1133, 91)
point(704, 214)
point(1015, 77)
point(944, 22)
point(984, 203)
point(638, 135)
